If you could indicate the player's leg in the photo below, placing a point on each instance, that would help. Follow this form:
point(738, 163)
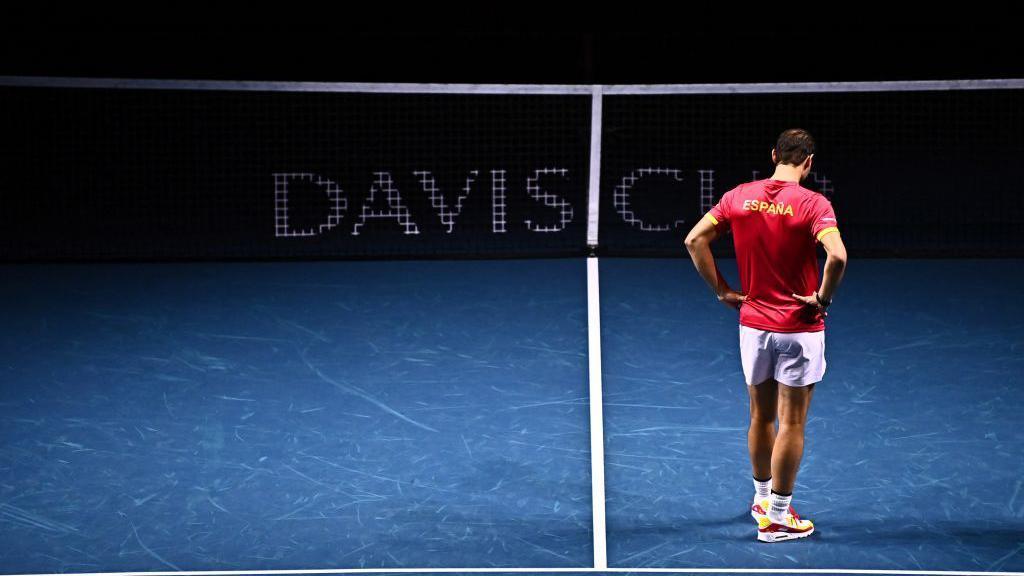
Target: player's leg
point(794, 403)
point(799, 364)
point(780, 522)
point(757, 359)
point(761, 433)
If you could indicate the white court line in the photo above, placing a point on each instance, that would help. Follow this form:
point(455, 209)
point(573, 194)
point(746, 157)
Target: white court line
point(596, 414)
point(541, 570)
point(580, 89)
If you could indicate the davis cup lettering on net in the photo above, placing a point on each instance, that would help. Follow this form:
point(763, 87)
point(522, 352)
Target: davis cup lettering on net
point(384, 202)
point(626, 186)
point(621, 200)
point(706, 181)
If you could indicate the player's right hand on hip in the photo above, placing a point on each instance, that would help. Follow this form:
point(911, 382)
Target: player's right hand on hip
point(732, 299)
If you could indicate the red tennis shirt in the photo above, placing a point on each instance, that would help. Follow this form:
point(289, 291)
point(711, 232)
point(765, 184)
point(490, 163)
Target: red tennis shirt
point(775, 227)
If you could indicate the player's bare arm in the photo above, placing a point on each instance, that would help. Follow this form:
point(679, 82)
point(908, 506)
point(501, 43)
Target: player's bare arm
point(698, 243)
point(835, 266)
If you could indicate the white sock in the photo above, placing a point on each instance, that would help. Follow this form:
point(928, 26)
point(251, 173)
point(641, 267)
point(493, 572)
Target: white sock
point(779, 508)
point(762, 489)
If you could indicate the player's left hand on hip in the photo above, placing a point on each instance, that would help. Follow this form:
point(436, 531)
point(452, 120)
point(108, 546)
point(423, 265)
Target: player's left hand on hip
point(812, 301)
point(808, 300)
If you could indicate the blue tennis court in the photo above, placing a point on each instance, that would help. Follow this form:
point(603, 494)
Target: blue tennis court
point(436, 414)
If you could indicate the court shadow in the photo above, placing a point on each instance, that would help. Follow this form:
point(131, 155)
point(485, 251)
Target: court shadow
point(908, 532)
point(715, 529)
point(900, 532)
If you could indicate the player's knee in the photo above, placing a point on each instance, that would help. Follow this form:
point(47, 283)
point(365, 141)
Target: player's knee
point(792, 423)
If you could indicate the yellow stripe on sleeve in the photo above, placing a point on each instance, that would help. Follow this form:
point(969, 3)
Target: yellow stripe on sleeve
point(826, 232)
point(712, 218)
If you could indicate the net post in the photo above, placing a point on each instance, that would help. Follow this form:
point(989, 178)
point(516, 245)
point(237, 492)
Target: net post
point(594, 196)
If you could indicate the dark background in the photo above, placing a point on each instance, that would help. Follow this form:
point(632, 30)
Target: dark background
point(508, 43)
point(909, 174)
point(183, 174)
point(177, 174)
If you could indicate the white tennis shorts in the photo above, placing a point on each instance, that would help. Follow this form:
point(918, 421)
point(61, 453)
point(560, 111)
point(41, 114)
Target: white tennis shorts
point(793, 359)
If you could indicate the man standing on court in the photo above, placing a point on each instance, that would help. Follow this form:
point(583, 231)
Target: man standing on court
point(776, 224)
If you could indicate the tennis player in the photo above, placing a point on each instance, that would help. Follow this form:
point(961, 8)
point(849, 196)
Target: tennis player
point(776, 225)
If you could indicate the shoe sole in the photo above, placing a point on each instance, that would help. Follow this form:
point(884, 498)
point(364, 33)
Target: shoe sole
point(772, 537)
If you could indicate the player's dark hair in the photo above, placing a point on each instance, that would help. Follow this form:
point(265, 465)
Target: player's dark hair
point(794, 146)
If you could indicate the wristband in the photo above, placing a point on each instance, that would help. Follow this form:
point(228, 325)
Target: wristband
point(822, 303)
